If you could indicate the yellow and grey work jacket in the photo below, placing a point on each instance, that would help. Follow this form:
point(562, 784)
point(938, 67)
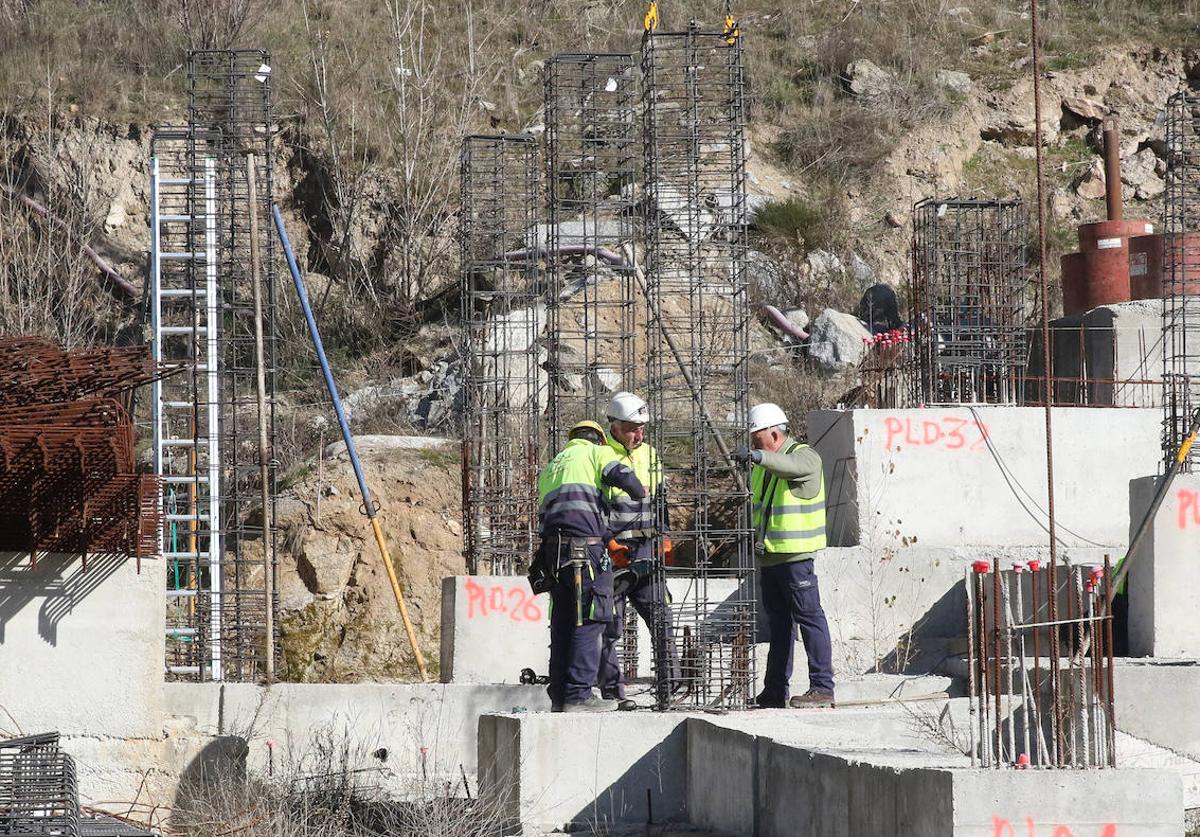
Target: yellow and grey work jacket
point(629, 518)
point(794, 526)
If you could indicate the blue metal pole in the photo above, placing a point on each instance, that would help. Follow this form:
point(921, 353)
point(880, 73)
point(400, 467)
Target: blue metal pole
point(368, 505)
point(324, 361)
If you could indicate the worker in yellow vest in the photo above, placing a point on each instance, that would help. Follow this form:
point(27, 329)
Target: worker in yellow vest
point(573, 524)
point(638, 542)
point(787, 488)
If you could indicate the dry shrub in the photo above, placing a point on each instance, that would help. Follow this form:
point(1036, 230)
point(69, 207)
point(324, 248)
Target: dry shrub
point(330, 785)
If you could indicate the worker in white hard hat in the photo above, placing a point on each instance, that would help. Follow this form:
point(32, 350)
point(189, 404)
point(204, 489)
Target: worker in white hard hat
point(638, 543)
point(787, 488)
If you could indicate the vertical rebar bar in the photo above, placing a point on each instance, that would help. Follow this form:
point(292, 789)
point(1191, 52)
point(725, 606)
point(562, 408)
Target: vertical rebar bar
point(972, 686)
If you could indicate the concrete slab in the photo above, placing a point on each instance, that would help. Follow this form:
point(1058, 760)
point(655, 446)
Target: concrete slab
point(82, 650)
point(985, 466)
point(426, 729)
point(1104, 803)
point(1162, 579)
point(549, 770)
point(892, 792)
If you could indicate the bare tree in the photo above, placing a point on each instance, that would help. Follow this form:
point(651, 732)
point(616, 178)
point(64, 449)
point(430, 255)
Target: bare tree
point(437, 83)
point(215, 24)
point(48, 285)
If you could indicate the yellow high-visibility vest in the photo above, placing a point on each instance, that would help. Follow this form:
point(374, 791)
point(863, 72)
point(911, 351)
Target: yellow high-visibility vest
point(793, 524)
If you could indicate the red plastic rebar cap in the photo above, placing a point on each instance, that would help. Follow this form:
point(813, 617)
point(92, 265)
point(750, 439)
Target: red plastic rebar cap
point(1035, 565)
point(1023, 760)
point(981, 566)
point(1018, 567)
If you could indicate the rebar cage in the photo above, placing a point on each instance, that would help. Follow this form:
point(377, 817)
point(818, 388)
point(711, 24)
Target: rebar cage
point(968, 290)
point(218, 536)
point(695, 232)
point(591, 170)
point(503, 317)
point(1181, 275)
point(37, 787)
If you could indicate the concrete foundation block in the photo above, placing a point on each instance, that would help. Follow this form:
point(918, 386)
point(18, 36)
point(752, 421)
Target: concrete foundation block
point(986, 467)
point(1055, 803)
point(1162, 579)
point(1157, 703)
point(419, 731)
point(492, 627)
point(549, 770)
point(82, 650)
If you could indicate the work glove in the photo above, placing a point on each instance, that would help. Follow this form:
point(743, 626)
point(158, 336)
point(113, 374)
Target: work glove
point(619, 553)
point(743, 455)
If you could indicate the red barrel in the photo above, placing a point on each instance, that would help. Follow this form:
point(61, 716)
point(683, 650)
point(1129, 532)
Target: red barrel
point(1099, 273)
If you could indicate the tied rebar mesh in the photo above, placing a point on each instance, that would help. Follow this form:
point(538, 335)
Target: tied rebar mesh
point(591, 168)
point(503, 315)
point(1181, 275)
point(695, 216)
point(967, 300)
point(218, 629)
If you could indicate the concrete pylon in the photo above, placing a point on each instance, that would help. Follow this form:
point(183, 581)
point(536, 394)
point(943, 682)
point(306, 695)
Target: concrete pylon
point(1166, 571)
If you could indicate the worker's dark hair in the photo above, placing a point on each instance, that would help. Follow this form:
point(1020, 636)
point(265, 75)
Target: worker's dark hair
point(586, 433)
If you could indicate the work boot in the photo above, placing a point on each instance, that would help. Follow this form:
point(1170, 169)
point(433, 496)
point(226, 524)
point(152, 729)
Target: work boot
point(764, 701)
point(592, 704)
point(626, 705)
point(813, 698)
point(556, 707)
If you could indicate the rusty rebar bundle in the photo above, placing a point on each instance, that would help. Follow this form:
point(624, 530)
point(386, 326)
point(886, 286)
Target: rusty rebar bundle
point(68, 480)
point(1024, 713)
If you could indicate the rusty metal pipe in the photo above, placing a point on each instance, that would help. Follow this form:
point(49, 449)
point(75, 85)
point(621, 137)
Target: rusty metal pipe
point(1112, 169)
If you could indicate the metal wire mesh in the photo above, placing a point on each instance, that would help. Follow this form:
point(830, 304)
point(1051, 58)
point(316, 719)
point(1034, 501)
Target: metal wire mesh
point(695, 232)
point(503, 316)
point(37, 787)
point(1181, 274)
point(967, 300)
point(217, 607)
point(591, 167)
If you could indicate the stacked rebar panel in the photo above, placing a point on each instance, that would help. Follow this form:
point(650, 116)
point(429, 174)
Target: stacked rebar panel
point(1181, 275)
point(1029, 707)
point(967, 300)
point(591, 170)
point(38, 791)
point(695, 234)
point(229, 93)
point(68, 477)
point(503, 315)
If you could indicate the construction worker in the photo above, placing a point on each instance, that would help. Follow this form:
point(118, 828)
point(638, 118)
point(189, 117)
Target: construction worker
point(573, 515)
point(635, 526)
point(787, 488)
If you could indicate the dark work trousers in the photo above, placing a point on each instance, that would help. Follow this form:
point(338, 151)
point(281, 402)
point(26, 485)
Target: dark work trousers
point(575, 649)
point(648, 598)
point(790, 597)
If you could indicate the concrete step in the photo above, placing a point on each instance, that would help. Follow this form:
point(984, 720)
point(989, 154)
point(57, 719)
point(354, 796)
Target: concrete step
point(1136, 752)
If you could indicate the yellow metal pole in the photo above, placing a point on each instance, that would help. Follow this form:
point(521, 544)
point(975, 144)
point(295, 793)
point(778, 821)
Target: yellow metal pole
point(391, 571)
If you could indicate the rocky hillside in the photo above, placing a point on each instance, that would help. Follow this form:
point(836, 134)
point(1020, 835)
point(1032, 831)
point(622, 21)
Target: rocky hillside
point(340, 620)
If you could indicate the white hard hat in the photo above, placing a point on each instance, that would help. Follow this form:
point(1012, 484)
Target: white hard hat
point(625, 406)
point(767, 415)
